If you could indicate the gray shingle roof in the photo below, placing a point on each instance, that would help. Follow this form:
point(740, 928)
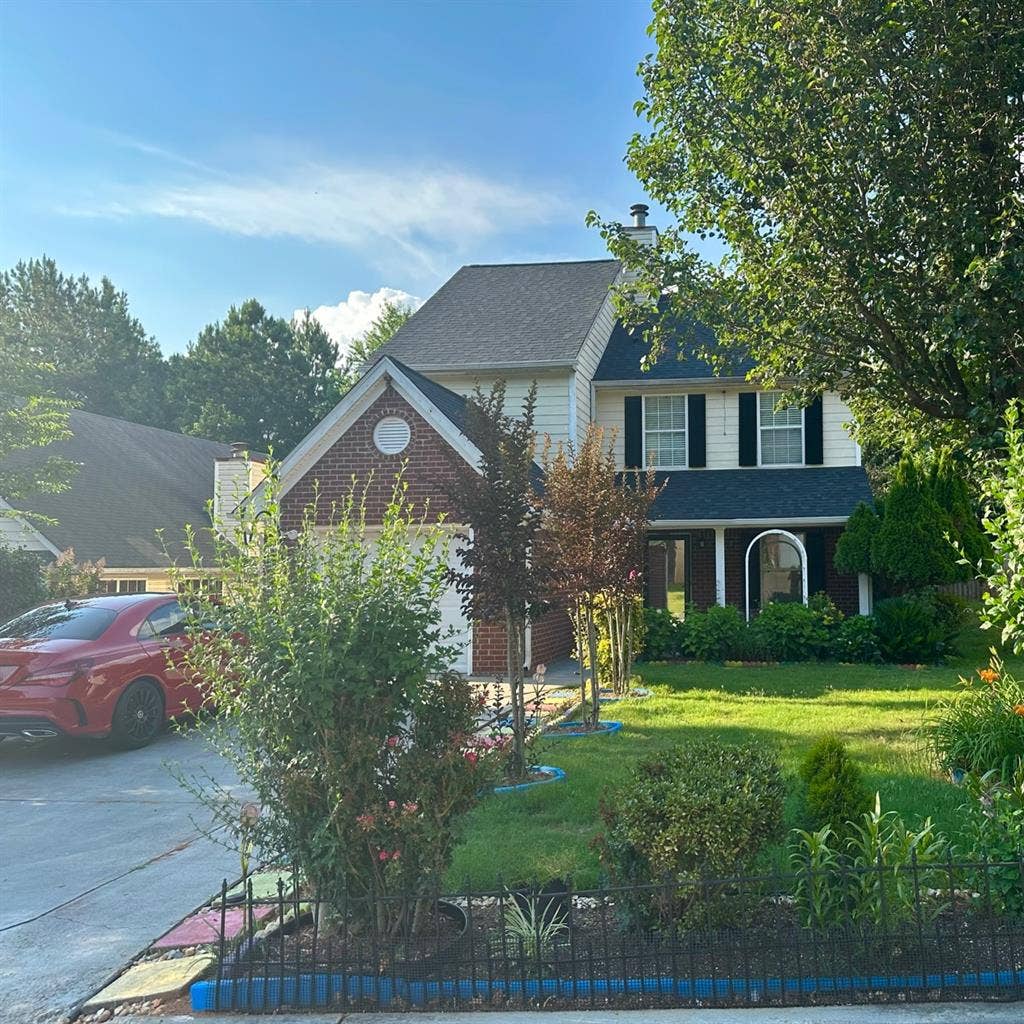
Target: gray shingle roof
point(503, 315)
point(621, 359)
point(791, 494)
point(133, 481)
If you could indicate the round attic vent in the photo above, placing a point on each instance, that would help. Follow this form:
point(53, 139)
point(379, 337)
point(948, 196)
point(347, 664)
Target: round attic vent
point(391, 435)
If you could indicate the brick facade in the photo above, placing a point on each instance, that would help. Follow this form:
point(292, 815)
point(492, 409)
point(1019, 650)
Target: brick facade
point(428, 469)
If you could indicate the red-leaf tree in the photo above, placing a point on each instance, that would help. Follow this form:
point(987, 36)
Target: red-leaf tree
point(595, 528)
point(499, 501)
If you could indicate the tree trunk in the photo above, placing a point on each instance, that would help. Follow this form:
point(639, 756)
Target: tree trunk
point(595, 682)
point(514, 667)
point(581, 655)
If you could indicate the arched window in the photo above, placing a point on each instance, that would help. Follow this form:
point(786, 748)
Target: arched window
point(780, 571)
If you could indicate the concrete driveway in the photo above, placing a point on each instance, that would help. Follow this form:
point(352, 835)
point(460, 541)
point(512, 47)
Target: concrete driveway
point(98, 856)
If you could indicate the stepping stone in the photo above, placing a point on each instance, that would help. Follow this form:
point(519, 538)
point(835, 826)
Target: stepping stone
point(204, 927)
point(158, 980)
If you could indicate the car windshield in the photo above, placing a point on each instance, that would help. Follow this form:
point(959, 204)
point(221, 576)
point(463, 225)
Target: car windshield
point(60, 622)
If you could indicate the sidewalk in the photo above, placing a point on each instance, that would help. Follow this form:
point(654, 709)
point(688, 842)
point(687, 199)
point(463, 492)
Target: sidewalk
point(943, 1013)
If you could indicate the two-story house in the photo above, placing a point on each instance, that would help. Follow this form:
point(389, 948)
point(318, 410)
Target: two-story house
point(755, 494)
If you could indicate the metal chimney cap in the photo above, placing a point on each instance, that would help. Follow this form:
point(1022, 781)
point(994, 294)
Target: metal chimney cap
point(238, 449)
point(639, 211)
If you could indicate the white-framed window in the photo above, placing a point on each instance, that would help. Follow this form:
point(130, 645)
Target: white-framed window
point(665, 431)
point(780, 433)
point(125, 586)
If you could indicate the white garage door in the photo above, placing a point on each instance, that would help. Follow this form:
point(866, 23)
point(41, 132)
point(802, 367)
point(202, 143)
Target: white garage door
point(453, 618)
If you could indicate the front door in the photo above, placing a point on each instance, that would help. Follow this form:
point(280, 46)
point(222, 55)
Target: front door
point(668, 573)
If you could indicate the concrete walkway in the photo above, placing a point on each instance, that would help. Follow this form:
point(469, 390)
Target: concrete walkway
point(945, 1013)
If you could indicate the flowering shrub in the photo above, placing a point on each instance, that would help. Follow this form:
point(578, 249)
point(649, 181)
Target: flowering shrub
point(980, 728)
point(336, 709)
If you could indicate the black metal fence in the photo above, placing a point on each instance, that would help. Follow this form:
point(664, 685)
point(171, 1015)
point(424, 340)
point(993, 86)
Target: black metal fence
point(946, 931)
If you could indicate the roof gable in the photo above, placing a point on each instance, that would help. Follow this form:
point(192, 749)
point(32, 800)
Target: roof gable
point(502, 315)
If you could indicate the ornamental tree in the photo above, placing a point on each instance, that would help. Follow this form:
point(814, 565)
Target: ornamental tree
point(595, 526)
point(499, 501)
point(327, 667)
point(859, 163)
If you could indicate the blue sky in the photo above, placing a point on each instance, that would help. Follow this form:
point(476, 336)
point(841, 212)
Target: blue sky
point(202, 153)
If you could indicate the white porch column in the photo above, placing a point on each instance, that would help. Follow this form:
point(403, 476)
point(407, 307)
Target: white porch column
point(864, 595)
point(720, 564)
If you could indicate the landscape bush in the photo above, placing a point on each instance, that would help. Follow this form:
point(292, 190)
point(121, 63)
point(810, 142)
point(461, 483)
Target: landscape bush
point(699, 812)
point(664, 635)
point(993, 831)
point(855, 639)
point(980, 727)
point(910, 629)
point(713, 635)
point(791, 631)
point(835, 793)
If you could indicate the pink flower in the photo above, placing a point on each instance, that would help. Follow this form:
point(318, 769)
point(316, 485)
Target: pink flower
point(392, 805)
point(365, 821)
point(410, 808)
point(392, 741)
point(383, 855)
point(471, 756)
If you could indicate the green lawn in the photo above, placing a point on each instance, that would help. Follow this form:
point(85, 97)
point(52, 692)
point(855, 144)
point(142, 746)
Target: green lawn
point(546, 832)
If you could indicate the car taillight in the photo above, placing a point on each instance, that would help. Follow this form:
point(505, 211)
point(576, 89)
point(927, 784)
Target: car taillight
point(60, 675)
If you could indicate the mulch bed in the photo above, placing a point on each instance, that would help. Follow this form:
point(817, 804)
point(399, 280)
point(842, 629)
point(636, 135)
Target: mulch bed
point(768, 943)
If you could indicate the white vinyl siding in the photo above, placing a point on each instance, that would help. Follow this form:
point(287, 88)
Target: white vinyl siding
point(587, 362)
point(780, 431)
point(552, 417)
point(722, 423)
point(664, 431)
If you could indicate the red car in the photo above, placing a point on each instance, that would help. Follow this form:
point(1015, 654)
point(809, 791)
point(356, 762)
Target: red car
point(100, 666)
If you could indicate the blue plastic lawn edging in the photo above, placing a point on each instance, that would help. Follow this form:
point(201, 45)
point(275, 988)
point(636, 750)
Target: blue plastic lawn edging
point(566, 731)
point(554, 775)
point(323, 989)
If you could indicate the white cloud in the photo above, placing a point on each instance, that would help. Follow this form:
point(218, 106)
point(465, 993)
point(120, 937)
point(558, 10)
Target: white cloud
point(420, 215)
point(350, 318)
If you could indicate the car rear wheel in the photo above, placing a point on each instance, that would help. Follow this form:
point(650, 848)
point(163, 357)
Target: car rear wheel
point(139, 715)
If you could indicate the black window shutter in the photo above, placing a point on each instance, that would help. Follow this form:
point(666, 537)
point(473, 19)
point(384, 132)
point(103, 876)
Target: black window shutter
point(814, 442)
point(696, 431)
point(633, 439)
point(748, 428)
point(814, 544)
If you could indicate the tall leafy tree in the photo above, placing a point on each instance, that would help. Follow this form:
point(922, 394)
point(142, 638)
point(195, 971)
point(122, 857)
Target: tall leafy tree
point(860, 162)
point(392, 315)
point(255, 378)
point(30, 418)
point(100, 355)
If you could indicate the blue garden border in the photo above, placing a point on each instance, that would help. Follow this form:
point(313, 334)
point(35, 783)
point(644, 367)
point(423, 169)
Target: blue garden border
point(564, 732)
point(324, 989)
point(555, 775)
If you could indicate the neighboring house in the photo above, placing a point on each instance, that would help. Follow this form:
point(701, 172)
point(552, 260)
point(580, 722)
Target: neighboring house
point(136, 491)
point(755, 495)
